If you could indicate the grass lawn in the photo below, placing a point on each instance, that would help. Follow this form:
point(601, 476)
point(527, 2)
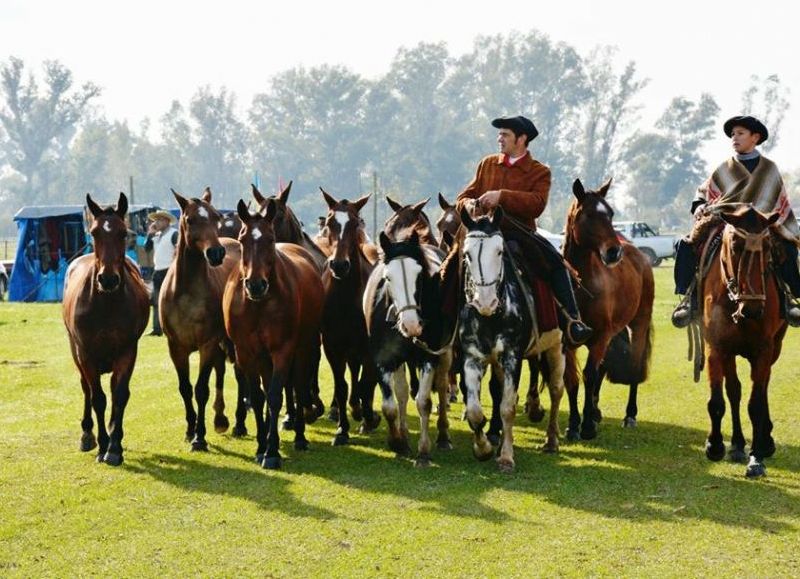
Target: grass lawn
point(643, 502)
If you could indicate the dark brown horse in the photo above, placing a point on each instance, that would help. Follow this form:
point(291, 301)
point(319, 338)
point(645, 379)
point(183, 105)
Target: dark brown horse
point(616, 301)
point(742, 317)
point(447, 224)
point(344, 329)
point(105, 310)
point(273, 313)
point(407, 219)
point(191, 314)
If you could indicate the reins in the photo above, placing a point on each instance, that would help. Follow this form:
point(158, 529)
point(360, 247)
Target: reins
point(753, 249)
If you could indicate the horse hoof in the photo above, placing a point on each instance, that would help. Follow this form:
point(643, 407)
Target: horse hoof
point(400, 446)
point(505, 466)
point(271, 462)
point(423, 461)
point(482, 455)
point(573, 435)
point(88, 442)
point(629, 422)
point(494, 439)
point(770, 450)
point(112, 459)
point(333, 414)
point(444, 444)
point(550, 448)
point(536, 415)
point(287, 424)
point(101, 457)
point(368, 427)
point(588, 433)
point(341, 439)
point(598, 415)
point(301, 444)
point(737, 455)
point(239, 431)
point(755, 469)
point(189, 436)
point(357, 412)
point(199, 446)
point(221, 424)
point(715, 452)
point(259, 458)
point(319, 407)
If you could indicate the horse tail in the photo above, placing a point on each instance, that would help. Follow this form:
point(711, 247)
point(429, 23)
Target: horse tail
point(628, 356)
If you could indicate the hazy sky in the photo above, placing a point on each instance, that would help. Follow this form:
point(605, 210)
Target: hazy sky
point(145, 53)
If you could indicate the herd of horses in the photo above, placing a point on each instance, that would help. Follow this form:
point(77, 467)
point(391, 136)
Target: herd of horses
point(268, 298)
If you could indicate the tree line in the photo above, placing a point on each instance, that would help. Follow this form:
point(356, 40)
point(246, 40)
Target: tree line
point(420, 128)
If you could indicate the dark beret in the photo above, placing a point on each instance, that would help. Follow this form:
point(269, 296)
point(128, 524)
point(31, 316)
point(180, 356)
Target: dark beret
point(518, 124)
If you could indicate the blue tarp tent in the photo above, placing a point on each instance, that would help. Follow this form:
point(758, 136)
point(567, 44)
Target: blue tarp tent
point(50, 237)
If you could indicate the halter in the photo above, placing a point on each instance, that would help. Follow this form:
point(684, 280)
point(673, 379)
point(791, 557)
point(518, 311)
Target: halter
point(472, 284)
point(753, 248)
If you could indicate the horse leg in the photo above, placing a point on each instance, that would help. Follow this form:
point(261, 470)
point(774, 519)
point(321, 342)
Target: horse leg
point(533, 404)
point(120, 393)
point(733, 388)
point(99, 406)
point(201, 395)
point(88, 440)
point(555, 386)
point(221, 422)
point(508, 411)
point(258, 400)
point(401, 390)
point(243, 396)
point(571, 385)
point(301, 384)
point(337, 363)
point(601, 374)
point(180, 359)
point(715, 447)
point(424, 407)
point(413, 378)
point(366, 390)
point(496, 421)
point(473, 374)
point(291, 410)
point(631, 409)
point(386, 380)
point(316, 401)
point(442, 382)
point(758, 410)
point(354, 400)
point(276, 384)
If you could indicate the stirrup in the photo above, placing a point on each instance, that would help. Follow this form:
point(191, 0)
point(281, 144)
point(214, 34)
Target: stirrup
point(683, 313)
point(793, 313)
point(577, 333)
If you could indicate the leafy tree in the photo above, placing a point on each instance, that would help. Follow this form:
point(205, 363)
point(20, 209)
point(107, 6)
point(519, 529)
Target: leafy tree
point(768, 100)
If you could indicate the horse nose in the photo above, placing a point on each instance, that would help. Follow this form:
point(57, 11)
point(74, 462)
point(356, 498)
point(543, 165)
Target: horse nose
point(215, 255)
point(491, 308)
point(613, 255)
point(256, 288)
point(108, 281)
point(413, 329)
point(340, 268)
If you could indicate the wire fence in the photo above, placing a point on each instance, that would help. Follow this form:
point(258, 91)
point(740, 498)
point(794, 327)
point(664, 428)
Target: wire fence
point(8, 248)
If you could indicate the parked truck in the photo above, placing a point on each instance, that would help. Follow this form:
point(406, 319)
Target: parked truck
point(656, 247)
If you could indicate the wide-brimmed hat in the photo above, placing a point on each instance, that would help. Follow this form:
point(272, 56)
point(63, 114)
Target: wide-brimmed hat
point(518, 124)
point(161, 214)
point(752, 124)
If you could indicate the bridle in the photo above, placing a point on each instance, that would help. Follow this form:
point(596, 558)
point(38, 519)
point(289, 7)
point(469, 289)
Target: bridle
point(393, 310)
point(753, 250)
point(471, 282)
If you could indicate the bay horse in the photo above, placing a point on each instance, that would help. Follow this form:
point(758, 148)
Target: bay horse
point(497, 328)
point(105, 309)
point(407, 218)
point(616, 301)
point(273, 313)
point(402, 308)
point(344, 329)
point(190, 306)
point(742, 317)
point(447, 224)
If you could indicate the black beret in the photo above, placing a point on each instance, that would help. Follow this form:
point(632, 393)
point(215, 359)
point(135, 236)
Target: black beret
point(752, 124)
point(518, 124)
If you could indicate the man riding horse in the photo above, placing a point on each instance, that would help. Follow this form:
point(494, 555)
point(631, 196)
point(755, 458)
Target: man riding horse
point(747, 177)
point(518, 183)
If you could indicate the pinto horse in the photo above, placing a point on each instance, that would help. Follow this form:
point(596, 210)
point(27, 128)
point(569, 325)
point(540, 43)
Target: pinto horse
point(742, 317)
point(273, 313)
point(105, 311)
point(191, 315)
point(344, 329)
point(616, 301)
point(402, 307)
point(497, 327)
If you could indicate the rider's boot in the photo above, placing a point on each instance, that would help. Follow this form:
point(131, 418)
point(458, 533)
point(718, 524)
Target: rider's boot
point(575, 331)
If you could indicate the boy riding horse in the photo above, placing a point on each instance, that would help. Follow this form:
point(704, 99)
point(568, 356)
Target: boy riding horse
point(747, 177)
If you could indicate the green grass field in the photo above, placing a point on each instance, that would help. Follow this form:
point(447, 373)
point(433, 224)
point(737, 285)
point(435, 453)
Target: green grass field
point(642, 502)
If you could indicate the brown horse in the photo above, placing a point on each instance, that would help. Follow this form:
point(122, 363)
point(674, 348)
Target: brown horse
point(273, 312)
point(409, 218)
point(616, 300)
point(191, 314)
point(105, 311)
point(447, 224)
point(344, 329)
point(742, 317)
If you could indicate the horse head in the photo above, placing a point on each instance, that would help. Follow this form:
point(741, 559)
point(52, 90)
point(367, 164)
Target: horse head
point(408, 218)
point(344, 230)
point(449, 221)
point(109, 235)
point(483, 260)
point(199, 226)
point(230, 224)
point(589, 223)
point(403, 264)
point(286, 224)
point(745, 254)
point(257, 239)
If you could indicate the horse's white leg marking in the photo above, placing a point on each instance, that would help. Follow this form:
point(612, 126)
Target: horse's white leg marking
point(508, 410)
point(424, 408)
point(401, 391)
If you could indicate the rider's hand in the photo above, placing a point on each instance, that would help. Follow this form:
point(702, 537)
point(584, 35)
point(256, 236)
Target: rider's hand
point(489, 200)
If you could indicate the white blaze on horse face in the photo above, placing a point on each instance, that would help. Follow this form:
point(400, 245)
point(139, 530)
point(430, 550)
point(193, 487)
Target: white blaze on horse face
point(106, 227)
point(448, 218)
point(485, 262)
point(341, 218)
point(202, 213)
point(255, 233)
point(401, 275)
point(601, 208)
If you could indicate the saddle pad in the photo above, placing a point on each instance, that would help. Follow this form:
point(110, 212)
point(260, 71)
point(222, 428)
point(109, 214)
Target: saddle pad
point(545, 306)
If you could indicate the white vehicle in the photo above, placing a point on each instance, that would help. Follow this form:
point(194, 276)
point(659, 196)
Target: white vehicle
point(656, 247)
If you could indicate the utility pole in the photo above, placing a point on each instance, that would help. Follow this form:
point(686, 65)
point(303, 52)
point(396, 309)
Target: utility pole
point(130, 188)
point(375, 207)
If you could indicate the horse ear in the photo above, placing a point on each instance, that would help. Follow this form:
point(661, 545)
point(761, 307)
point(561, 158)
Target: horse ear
point(329, 199)
point(443, 202)
point(466, 219)
point(260, 199)
point(393, 204)
point(385, 242)
point(182, 201)
point(497, 218)
point(207, 195)
point(361, 202)
point(605, 187)
point(578, 190)
point(270, 210)
point(241, 209)
point(94, 208)
point(417, 209)
point(284, 195)
point(122, 205)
